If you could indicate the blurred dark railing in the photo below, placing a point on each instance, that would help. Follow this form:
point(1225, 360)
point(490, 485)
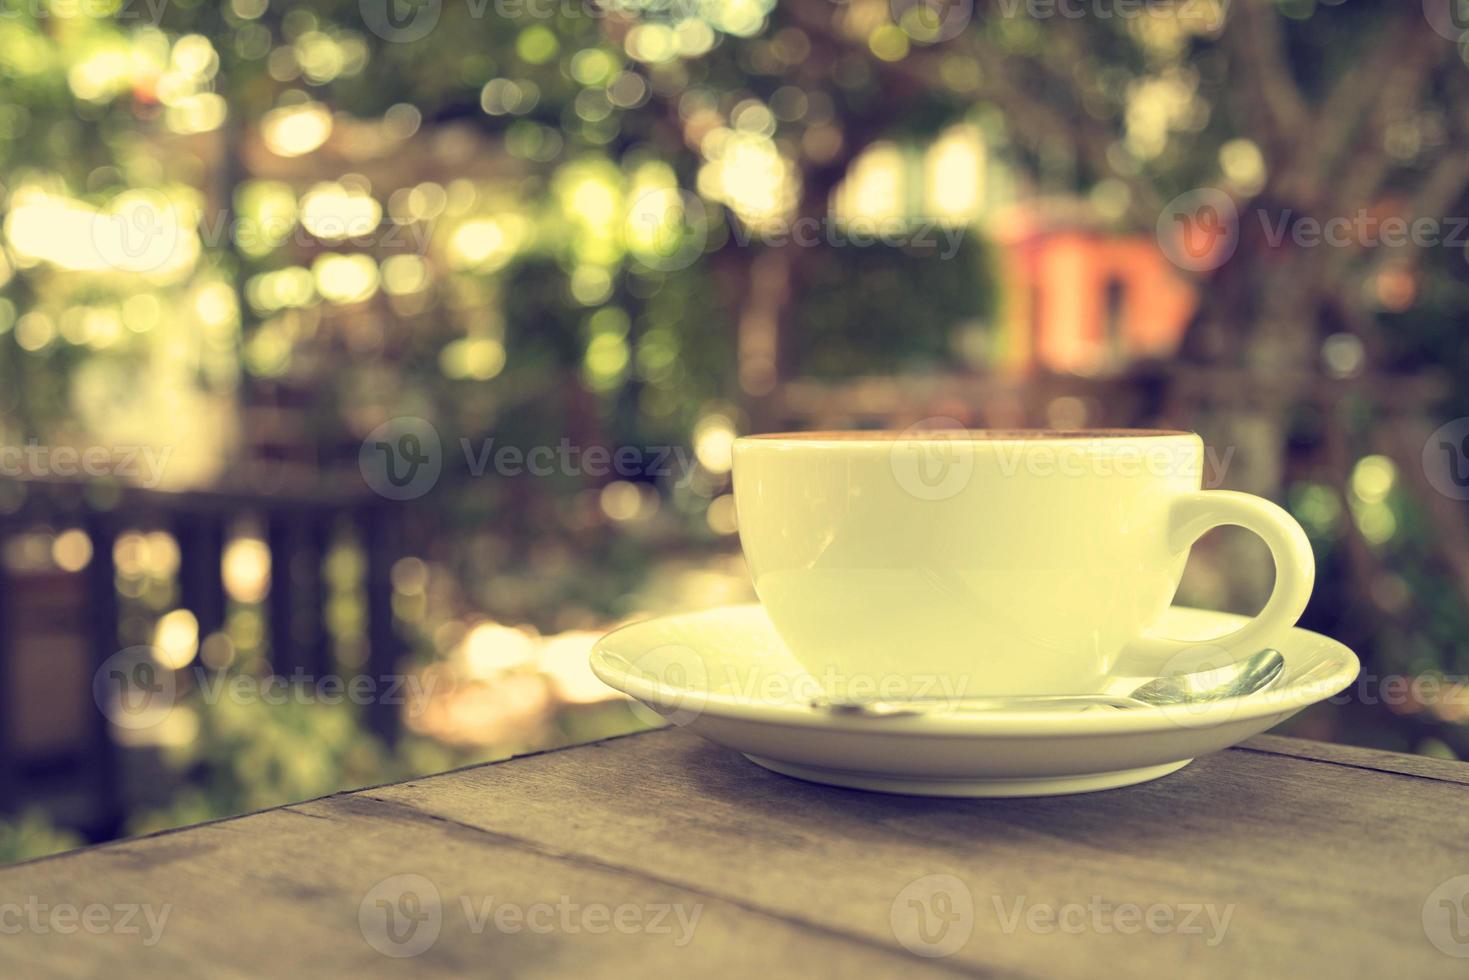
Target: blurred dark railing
point(66, 626)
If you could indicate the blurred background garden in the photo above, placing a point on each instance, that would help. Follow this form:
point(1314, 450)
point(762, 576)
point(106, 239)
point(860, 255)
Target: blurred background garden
point(285, 289)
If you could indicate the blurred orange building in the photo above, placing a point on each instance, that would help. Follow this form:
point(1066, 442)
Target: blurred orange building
point(1080, 300)
point(1077, 296)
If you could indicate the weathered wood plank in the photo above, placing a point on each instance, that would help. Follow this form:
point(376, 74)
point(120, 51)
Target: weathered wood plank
point(1357, 758)
point(282, 893)
point(1282, 864)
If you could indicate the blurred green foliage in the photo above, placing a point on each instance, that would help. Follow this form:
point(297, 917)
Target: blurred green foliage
point(32, 834)
point(539, 222)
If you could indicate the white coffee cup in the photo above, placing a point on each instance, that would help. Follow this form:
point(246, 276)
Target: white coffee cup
point(996, 562)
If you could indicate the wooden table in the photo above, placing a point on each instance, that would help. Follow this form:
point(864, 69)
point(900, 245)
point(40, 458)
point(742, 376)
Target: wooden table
point(660, 855)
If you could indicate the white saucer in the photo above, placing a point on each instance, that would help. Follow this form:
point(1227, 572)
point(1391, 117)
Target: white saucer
point(725, 675)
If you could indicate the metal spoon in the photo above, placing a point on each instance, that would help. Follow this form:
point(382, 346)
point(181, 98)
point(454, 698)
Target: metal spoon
point(1246, 677)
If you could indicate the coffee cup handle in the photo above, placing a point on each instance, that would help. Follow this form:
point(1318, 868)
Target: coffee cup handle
point(1194, 514)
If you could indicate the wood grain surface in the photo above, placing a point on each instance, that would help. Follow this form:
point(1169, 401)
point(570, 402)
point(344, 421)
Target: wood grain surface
point(662, 855)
